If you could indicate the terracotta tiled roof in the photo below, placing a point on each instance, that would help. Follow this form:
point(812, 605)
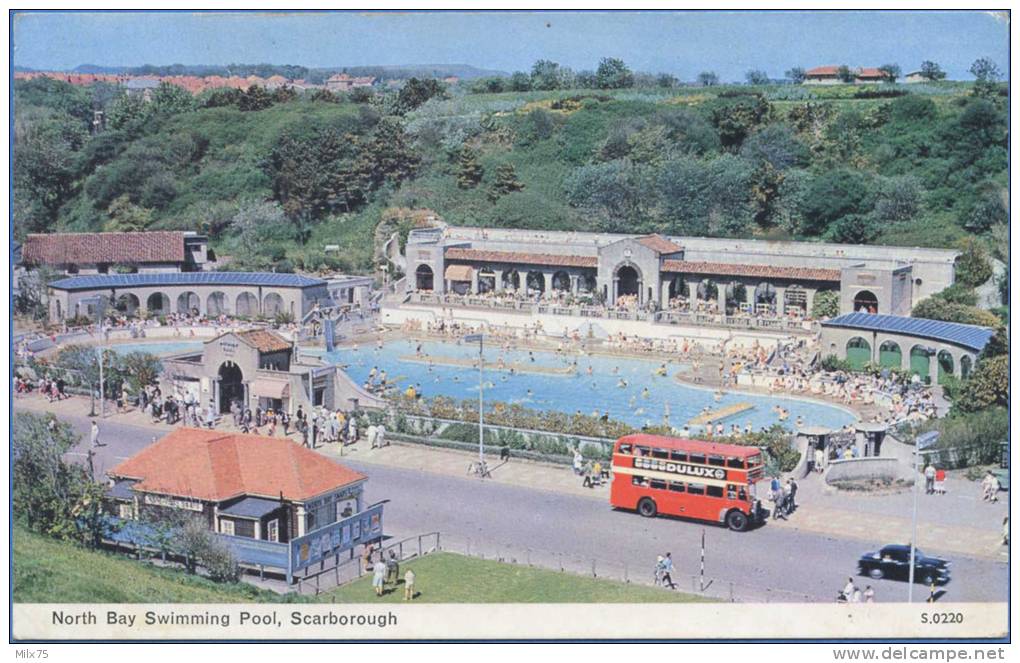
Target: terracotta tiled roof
point(763, 271)
point(828, 70)
point(550, 259)
point(215, 466)
point(84, 248)
point(858, 72)
point(659, 244)
point(869, 72)
point(264, 340)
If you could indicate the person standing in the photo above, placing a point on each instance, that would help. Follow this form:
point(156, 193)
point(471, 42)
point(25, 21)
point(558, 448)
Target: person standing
point(929, 479)
point(94, 435)
point(791, 493)
point(869, 594)
point(657, 573)
point(940, 482)
point(379, 576)
point(409, 585)
point(392, 568)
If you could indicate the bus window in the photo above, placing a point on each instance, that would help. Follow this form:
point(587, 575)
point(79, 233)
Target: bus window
point(715, 491)
point(638, 480)
point(658, 484)
point(731, 491)
point(754, 461)
point(696, 488)
point(660, 453)
point(676, 486)
point(716, 460)
point(680, 456)
point(736, 463)
point(624, 449)
point(641, 451)
point(743, 494)
point(697, 458)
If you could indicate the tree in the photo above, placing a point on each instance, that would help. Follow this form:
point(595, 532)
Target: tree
point(615, 193)
point(972, 267)
point(845, 74)
point(825, 304)
point(987, 211)
point(125, 216)
point(506, 182)
point(932, 71)
point(169, 99)
point(546, 75)
point(469, 171)
point(613, 74)
point(666, 80)
point(255, 98)
point(986, 74)
point(520, 82)
point(736, 118)
point(708, 79)
point(49, 494)
point(988, 386)
point(776, 144)
point(832, 196)
point(890, 72)
point(415, 92)
point(125, 110)
point(854, 229)
point(140, 369)
point(766, 184)
point(936, 308)
point(796, 74)
point(757, 77)
point(899, 199)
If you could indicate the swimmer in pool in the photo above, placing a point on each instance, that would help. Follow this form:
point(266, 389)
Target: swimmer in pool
point(632, 401)
point(622, 384)
point(645, 393)
point(717, 396)
point(661, 371)
point(783, 414)
point(616, 370)
point(530, 394)
point(589, 370)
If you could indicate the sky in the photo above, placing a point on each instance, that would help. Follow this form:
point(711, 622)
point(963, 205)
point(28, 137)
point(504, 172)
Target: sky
point(682, 43)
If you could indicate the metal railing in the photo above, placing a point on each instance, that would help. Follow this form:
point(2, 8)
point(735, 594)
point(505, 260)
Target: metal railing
point(349, 570)
point(665, 317)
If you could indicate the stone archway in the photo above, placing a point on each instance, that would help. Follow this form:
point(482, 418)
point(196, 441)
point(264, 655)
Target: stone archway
point(966, 365)
point(708, 290)
point(947, 367)
point(587, 283)
point(890, 355)
point(231, 385)
point(535, 281)
point(561, 282)
point(765, 295)
point(272, 304)
point(736, 294)
point(511, 280)
point(920, 362)
point(628, 281)
point(188, 303)
point(247, 305)
point(157, 304)
point(424, 279)
point(865, 301)
point(216, 304)
point(858, 352)
point(127, 304)
point(486, 280)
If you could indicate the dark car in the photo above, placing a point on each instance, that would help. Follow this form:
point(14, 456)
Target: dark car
point(894, 562)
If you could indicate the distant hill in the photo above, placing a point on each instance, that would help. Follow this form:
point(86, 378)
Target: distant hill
point(463, 71)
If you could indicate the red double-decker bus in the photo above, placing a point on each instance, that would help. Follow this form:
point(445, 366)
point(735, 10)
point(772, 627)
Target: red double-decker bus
point(653, 474)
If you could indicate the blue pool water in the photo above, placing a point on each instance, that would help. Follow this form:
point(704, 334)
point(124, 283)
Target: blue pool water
point(599, 392)
point(157, 348)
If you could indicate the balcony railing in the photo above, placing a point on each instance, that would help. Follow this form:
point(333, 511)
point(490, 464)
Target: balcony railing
point(665, 317)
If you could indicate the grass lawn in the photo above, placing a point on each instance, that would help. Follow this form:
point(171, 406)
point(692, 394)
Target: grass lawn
point(450, 578)
point(50, 571)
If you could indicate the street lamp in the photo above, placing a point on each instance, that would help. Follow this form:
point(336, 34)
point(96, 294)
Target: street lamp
point(97, 301)
point(921, 442)
point(471, 338)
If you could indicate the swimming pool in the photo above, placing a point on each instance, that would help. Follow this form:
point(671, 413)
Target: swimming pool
point(161, 348)
point(628, 389)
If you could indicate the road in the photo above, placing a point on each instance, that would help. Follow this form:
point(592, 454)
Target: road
point(550, 528)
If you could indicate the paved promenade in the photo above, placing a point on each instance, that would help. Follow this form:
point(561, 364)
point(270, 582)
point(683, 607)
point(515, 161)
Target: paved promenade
point(954, 523)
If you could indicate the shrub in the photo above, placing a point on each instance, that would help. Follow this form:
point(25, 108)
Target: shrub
point(834, 364)
point(988, 386)
point(968, 439)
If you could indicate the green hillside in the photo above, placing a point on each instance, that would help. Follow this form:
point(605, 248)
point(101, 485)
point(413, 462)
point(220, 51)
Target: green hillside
point(274, 177)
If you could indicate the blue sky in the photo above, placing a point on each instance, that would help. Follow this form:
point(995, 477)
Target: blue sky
point(683, 43)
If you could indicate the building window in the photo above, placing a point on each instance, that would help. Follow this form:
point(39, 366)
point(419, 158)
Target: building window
point(126, 511)
point(227, 527)
point(273, 530)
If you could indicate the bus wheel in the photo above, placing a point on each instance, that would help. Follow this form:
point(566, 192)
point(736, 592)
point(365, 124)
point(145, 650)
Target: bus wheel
point(646, 507)
point(736, 521)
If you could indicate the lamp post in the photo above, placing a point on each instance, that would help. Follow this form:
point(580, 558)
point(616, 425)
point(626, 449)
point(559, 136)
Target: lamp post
point(98, 302)
point(471, 338)
point(921, 442)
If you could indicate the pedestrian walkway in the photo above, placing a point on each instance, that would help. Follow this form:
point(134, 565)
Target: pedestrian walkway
point(873, 520)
